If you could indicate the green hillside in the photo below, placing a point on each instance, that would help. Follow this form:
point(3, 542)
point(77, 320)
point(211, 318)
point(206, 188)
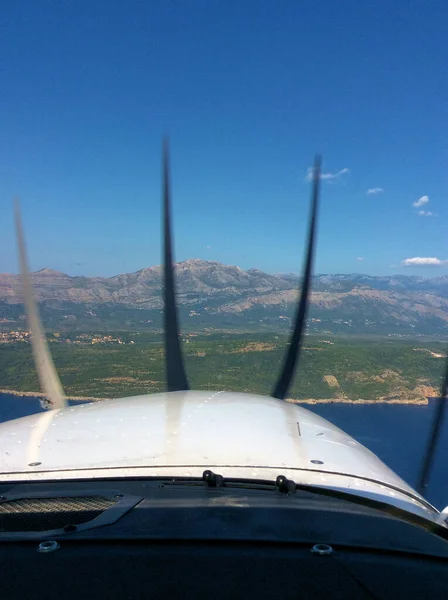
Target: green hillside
point(333, 368)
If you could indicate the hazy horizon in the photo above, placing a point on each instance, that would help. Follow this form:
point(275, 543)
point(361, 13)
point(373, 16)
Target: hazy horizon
point(295, 273)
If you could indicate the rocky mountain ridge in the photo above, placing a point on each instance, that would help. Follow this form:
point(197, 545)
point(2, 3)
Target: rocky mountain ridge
point(211, 288)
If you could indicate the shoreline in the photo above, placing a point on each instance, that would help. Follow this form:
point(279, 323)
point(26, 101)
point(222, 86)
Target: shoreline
point(415, 401)
point(41, 395)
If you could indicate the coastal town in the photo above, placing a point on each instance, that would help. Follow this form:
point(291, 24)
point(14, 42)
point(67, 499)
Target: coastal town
point(17, 336)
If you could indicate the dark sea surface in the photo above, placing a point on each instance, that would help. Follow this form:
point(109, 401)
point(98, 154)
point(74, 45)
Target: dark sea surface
point(398, 434)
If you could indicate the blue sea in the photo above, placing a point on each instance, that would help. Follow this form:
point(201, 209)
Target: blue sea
point(398, 434)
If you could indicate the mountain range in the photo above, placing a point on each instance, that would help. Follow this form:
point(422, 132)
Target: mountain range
point(211, 294)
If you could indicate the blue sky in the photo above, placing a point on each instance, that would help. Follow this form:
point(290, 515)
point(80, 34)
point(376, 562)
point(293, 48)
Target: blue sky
point(248, 91)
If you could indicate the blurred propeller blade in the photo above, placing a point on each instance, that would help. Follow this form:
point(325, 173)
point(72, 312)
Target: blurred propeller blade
point(176, 378)
point(434, 435)
point(46, 371)
point(293, 353)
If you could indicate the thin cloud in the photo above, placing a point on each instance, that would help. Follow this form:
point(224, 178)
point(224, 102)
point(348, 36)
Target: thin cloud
point(421, 201)
point(327, 176)
point(360, 258)
point(425, 213)
point(419, 261)
point(371, 191)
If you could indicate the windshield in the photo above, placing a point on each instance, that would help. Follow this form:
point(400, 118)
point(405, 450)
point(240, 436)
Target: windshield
point(247, 92)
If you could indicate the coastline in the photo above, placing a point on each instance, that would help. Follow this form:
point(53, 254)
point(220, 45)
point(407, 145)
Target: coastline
point(414, 401)
point(41, 395)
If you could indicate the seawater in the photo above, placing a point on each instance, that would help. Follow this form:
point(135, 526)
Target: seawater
point(397, 433)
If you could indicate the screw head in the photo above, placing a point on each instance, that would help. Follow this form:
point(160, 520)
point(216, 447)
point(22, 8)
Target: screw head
point(322, 549)
point(49, 546)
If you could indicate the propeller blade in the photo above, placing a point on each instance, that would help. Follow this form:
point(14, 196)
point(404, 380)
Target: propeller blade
point(176, 378)
point(46, 371)
point(293, 353)
point(434, 435)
